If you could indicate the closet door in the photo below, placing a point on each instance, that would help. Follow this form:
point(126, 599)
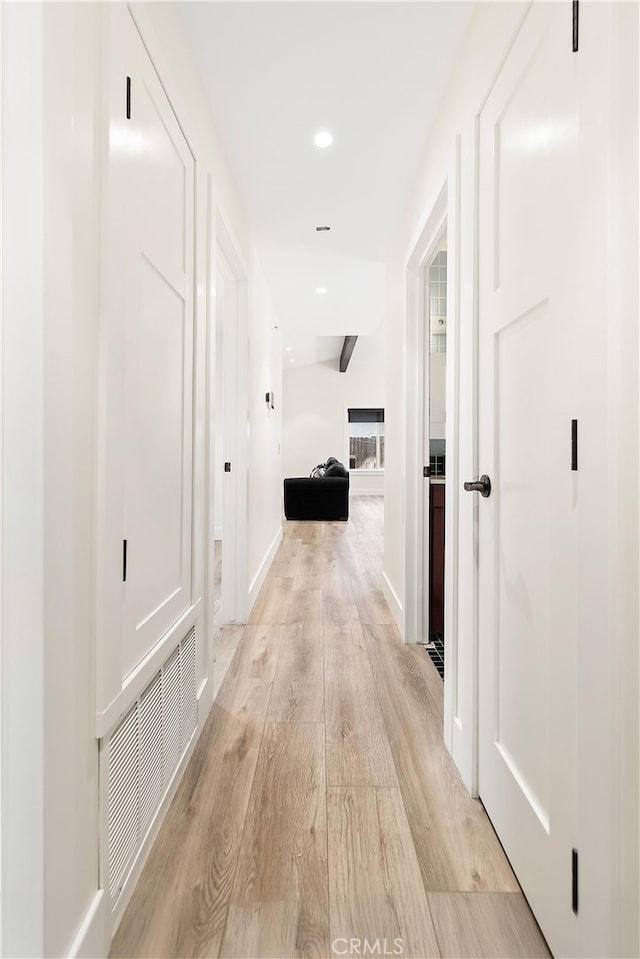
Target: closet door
point(158, 405)
point(541, 305)
point(149, 400)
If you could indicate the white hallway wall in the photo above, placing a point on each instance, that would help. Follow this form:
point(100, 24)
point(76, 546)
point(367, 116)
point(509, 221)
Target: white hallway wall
point(50, 371)
point(265, 428)
point(315, 403)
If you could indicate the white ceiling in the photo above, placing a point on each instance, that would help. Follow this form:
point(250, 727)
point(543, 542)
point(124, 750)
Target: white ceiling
point(373, 74)
point(303, 349)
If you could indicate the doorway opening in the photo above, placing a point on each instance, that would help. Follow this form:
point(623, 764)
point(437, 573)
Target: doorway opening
point(224, 310)
point(435, 353)
point(418, 541)
point(227, 408)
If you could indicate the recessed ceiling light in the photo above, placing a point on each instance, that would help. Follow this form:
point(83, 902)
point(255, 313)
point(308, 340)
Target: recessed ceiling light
point(323, 139)
point(321, 289)
point(288, 349)
point(291, 360)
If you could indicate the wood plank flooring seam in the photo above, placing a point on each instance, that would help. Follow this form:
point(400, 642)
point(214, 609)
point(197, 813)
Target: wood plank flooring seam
point(359, 752)
point(400, 780)
point(439, 943)
point(374, 883)
point(294, 722)
point(241, 837)
point(467, 856)
point(326, 777)
point(402, 796)
point(502, 926)
point(262, 740)
point(280, 898)
point(386, 729)
point(426, 897)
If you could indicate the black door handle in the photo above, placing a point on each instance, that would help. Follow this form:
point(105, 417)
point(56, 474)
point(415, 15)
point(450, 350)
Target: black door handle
point(482, 486)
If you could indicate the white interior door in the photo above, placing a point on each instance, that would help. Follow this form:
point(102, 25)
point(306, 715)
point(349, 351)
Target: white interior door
point(536, 272)
point(153, 184)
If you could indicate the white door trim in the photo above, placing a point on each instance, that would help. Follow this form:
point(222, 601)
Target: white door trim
point(445, 215)
point(208, 514)
point(452, 706)
point(1, 485)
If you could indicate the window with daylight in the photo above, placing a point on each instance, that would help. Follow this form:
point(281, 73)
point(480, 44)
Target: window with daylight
point(366, 439)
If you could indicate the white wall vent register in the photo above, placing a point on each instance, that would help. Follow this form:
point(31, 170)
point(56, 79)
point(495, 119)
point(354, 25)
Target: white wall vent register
point(143, 753)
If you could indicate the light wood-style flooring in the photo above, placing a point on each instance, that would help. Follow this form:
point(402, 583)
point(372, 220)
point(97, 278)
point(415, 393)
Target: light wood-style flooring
point(320, 814)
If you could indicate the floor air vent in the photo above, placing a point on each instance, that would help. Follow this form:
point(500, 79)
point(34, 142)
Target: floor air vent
point(435, 649)
point(143, 753)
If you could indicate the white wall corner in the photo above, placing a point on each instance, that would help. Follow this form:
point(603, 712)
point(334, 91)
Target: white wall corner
point(93, 937)
point(261, 575)
point(393, 603)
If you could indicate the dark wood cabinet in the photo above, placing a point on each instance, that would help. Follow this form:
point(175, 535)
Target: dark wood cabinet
point(436, 557)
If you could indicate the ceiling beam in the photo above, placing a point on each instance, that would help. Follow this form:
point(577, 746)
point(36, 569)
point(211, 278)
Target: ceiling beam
point(347, 350)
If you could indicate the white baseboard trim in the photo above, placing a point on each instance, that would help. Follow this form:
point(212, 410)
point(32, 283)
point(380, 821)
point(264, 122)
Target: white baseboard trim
point(367, 492)
point(261, 575)
point(393, 602)
point(204, 697)
point(93, 937)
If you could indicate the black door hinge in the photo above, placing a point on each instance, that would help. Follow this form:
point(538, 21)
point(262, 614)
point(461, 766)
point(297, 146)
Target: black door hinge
point(574, 880)
point(124, 560)
point(227, 467)
point(574, 444)
point(575, 25)
point(128, 98)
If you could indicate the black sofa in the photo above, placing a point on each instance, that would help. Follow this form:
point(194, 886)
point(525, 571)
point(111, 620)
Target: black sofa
point(318, 497)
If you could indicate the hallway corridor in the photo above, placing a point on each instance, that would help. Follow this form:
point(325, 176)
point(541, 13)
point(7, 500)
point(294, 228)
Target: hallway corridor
point(320, 806)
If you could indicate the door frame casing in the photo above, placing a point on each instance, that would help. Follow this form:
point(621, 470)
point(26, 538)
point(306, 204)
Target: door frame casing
point(417, 388)
point(444, 218)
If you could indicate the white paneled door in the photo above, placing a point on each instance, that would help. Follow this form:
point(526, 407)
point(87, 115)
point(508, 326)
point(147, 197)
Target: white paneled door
point(541, 300)
point(150, 400)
